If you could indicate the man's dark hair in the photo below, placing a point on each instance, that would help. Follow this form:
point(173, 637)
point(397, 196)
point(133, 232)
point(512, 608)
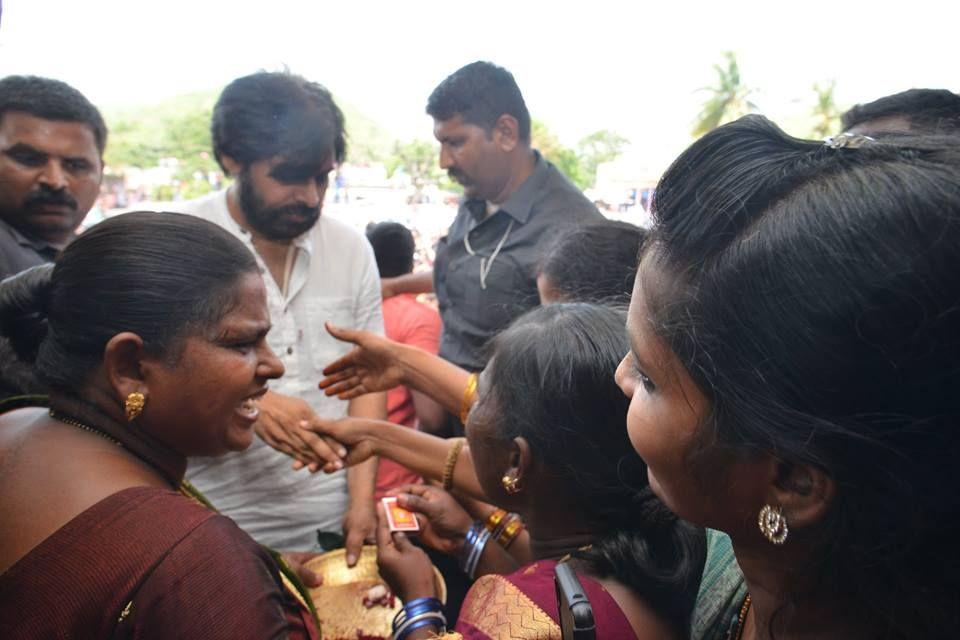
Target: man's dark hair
point(393, 246)
point(480, 93)
point(928, 110)
point(277, 114)
point(51, 100)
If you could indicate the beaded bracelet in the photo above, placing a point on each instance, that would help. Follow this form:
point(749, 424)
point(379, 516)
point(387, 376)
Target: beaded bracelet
point(451, 464)
point(469, 395)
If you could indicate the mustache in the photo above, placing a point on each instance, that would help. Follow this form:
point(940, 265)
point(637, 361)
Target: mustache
point(298, 209)
point(456, 174)
point(45, 195)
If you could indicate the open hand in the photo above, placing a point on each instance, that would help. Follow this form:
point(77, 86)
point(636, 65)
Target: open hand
point(371, 366)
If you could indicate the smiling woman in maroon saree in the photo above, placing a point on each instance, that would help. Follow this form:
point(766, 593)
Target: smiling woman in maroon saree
point(150, 335)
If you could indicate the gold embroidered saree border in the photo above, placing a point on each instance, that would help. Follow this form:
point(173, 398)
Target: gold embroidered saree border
point(499, 609)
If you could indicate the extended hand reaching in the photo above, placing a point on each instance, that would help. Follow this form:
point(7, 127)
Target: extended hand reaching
point(284, 425)
point(351, 435)
point(371, 366)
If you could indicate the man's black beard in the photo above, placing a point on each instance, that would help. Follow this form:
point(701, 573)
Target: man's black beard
point(272, 222)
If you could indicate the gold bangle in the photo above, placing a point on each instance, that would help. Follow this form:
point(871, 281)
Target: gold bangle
point(495, 518)
point(510, 531)
point(451, 464)
point(469, 395)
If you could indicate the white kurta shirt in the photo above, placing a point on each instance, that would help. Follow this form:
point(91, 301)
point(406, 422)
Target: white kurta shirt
point(334, 278)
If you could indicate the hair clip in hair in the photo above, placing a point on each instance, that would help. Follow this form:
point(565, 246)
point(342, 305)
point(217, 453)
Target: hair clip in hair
point(848, 141)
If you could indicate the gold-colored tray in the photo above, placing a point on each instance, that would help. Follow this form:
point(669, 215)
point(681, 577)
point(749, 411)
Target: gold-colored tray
point(339, 600)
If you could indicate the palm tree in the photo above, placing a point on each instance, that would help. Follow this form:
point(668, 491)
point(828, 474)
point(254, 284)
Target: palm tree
point(729, 99)
point(825, 112)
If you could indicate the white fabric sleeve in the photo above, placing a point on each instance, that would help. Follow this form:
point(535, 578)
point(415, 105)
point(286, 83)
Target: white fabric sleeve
point(368, 310)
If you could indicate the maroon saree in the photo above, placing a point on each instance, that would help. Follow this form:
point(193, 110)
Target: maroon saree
point(523, 605)
point(148, 563)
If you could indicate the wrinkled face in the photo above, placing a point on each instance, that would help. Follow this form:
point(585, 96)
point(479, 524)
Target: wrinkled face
point(471, 156)
point(50, 173)
point(206, 402)
point(281, 199)
point(663, 422)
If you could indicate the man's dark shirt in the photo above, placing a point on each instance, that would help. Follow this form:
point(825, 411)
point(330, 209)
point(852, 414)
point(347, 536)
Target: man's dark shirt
point(18, 252)
point(541, 207)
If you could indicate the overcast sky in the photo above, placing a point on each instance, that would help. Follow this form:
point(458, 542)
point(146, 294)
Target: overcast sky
point(633, 67)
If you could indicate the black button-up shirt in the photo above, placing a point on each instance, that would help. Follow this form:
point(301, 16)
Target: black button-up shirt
point(541, 207)
point(18, 252)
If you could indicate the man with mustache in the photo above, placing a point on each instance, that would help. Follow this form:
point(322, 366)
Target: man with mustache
point(280, 136)
point(51, 150)
point(514, 202)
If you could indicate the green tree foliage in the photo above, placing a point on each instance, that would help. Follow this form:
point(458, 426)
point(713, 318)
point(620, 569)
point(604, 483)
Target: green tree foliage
point(419, 159)
point(599, 147)
point(367, 141)
point(825, 112)
point(729, 98)
point(564, 158)
point(580, 164)
point(179, 127)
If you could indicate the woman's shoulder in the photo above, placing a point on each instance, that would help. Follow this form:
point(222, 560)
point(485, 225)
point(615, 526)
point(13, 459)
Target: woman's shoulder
point(216, 566)
point(512, 606)
point(523, 604)
point(722, 590)
point(99, 557)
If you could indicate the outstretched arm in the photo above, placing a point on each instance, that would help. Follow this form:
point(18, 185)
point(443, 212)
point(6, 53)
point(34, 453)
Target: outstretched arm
point(420, 452)
point(379, 364)
point(419, 282)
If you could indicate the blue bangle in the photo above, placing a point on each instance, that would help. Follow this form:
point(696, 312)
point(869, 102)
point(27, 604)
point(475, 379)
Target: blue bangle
point(431, 617)
point(418, 601)
point(415, 608)
point(437, 622)
point(470, 542)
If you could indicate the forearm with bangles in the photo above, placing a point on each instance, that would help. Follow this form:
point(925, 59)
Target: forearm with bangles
point(424, 454)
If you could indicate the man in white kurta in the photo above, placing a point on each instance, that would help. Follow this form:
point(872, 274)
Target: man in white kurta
point(316, 270)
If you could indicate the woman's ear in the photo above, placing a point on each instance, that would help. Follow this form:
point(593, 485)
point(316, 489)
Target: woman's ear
point(123, 364)
point(803, 491)
point(518, 465)
point(521, 458)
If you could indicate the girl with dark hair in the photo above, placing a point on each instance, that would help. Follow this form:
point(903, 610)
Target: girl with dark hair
point(149, 334)
point(794, 378)
point(545, 438)
point(594, 262)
